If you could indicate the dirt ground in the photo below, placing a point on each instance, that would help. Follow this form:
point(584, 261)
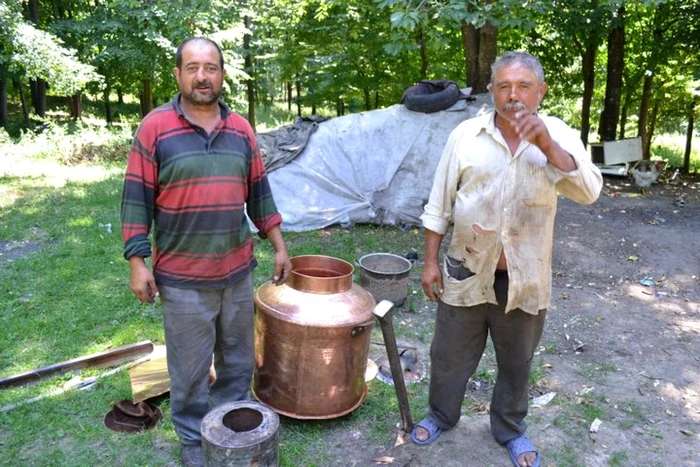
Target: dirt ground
point(621, 344)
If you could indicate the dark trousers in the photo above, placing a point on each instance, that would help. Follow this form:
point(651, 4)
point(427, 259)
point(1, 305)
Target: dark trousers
point(457, 347)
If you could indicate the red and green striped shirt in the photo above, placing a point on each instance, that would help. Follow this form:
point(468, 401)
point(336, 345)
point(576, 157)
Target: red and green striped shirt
point(195, 189)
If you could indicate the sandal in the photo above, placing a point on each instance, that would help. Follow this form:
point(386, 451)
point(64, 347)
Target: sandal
point(428, 425)
point(519, 446)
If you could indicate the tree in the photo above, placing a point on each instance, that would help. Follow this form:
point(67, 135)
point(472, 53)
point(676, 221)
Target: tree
point(613, 87)
point(29, 53)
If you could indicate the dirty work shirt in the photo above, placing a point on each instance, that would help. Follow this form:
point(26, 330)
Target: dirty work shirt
point(498, 202)
point(196, 189)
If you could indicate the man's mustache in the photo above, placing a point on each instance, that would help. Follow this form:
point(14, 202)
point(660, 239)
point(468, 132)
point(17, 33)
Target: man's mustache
point(514, 106)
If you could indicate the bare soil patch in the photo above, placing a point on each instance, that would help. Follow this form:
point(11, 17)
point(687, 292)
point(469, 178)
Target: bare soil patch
point(621, 344)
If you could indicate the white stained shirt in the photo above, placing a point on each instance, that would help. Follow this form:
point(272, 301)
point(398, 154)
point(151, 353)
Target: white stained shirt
point(502, 202)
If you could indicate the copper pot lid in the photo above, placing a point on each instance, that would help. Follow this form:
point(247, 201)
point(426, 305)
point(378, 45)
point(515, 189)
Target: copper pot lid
point(128, 417)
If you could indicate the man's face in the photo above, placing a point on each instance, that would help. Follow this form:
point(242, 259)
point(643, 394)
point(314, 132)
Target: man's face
point(201, 77)
point(516, 88)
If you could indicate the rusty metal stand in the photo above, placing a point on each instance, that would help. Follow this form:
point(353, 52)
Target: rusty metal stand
point(383, 312)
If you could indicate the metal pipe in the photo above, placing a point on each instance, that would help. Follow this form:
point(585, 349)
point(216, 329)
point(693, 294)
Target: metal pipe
point(383, 312)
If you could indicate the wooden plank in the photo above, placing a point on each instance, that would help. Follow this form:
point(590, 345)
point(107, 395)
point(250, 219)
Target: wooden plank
point(150, 379)
point(98, 360)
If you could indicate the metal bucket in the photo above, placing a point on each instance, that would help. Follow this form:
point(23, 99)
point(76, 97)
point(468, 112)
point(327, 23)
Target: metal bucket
point(385, 276)
point(312, 339)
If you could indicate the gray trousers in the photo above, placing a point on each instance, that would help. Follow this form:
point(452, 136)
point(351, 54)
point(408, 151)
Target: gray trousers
point(199, 323)
point(457, 347)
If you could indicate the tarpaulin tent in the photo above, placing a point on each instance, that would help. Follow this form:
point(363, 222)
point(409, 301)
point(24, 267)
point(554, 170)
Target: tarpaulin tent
point(371, 167)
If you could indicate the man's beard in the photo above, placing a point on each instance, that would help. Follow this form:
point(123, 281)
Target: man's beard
point(196, 97)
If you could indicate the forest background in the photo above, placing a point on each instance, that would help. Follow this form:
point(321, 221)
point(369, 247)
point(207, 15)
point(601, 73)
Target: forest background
point(77, 76)
point(616, 69)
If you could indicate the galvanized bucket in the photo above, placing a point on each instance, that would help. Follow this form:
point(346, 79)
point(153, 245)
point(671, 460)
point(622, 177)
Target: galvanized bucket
point(385, 276)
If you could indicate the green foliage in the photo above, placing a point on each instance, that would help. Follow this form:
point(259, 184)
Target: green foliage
point(38, 54)
point(671, 148)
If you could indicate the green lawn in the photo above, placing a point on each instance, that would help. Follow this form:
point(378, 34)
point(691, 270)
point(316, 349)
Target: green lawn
point(64, 294)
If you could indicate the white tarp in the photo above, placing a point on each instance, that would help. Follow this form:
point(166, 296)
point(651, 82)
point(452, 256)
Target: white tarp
point(372, 167)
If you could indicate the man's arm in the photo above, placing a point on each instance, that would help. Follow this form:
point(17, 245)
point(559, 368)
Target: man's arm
point(283, 266)
point(431, 279)
point(137, 210)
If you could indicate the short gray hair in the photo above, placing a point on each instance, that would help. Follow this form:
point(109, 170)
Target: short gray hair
point(523, 59)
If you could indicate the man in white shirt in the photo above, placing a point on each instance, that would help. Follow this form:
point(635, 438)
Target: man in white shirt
point(497, 185)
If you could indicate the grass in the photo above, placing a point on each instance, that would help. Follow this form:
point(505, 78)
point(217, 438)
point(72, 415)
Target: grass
point(671, 148)
point(64, 294)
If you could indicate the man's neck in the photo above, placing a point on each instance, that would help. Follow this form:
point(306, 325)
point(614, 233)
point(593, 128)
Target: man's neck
point(505, 127)
point(200, 112)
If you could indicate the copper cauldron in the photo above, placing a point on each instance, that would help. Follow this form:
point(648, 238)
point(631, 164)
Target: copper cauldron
point(312, 339)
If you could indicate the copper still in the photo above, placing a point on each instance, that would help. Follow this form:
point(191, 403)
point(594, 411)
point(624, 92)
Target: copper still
point(312, 338)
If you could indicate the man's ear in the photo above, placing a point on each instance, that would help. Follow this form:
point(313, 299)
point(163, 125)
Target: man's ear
point(543, 91)
point(176, 72)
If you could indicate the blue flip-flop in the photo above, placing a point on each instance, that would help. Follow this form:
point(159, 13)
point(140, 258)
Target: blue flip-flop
point(428, 425)
point(519, 446)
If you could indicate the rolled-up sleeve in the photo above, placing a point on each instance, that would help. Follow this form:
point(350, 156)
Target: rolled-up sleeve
point(582, 185)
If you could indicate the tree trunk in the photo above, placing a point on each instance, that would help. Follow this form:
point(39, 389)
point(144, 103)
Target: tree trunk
point(23, 100)
point(298, 99)
point(76, 107)
point(423, 54)
point(289, 96)
point(38, 96)
point(488, 44)
point(120, 96)
point(470, 45)
point(644, 112)
point(623, 115)
point(588, 70)
point(689, 135)
point(646, 143)
point(108, 105)
point(368, 98)
point(479, 53)
point(340, 108)
point(248, 67)
point(38, 86)
point(613, 87)
point(3, 102)
point(146, 97)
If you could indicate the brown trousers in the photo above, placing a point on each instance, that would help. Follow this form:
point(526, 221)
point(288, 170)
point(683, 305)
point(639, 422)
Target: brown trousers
point(457, 347)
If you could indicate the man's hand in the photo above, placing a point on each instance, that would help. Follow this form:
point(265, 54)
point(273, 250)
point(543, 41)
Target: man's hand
point(431, 280)
point(283, 266)
point(142, 283)
point(532, 129)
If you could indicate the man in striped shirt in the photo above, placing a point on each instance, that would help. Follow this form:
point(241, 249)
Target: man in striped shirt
point(193, 172)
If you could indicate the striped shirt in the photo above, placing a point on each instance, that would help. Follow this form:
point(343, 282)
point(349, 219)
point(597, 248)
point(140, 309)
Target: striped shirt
point(195, 189)
point(497, 202)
